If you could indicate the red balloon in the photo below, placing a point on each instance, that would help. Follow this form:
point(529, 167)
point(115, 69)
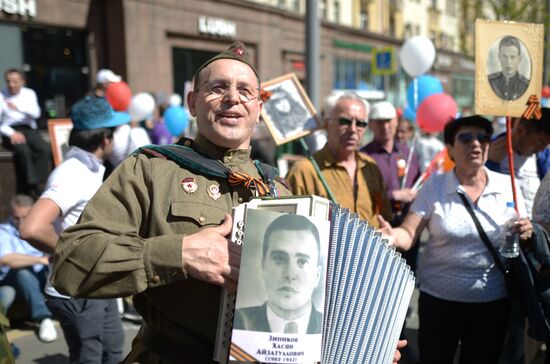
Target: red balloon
point(435, 111)
point(545, 91)
point(119, 95)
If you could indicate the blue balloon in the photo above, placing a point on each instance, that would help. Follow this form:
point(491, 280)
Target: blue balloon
point(427, 86)
point(176, 120)
point(409, 114)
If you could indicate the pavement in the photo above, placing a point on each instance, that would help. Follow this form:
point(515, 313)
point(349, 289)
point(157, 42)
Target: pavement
point(33, 351)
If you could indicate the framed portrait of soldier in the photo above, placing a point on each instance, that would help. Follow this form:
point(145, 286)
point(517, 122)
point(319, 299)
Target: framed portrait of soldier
point(288, 112)
point(509, 61)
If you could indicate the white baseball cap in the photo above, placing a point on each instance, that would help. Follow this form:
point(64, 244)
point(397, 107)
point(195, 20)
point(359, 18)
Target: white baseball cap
point(382, 110)
point(105, 75)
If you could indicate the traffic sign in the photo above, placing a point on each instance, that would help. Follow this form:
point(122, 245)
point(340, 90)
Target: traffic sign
point(383, 61)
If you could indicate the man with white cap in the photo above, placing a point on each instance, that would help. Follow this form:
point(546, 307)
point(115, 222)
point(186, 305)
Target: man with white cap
point(104, 78)
point(399, 171)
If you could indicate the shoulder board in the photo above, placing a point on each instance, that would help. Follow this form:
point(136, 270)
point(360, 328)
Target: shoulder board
point(187, 158)
point(492, 76)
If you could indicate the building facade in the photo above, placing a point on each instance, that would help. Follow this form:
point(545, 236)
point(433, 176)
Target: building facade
point(157, 45)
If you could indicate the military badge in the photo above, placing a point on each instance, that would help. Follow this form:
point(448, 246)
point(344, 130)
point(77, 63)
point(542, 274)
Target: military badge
point(214, 192)
point(188, 184)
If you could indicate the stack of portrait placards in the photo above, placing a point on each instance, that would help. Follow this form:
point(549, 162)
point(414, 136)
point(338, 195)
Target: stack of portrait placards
point(322, 286)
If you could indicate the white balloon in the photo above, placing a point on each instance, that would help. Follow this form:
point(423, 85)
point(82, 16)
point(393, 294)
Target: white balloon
point(174, 100)
point(417, 55)
point(141, 106)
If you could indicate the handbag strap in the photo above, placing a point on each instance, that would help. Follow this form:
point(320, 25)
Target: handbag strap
point(484, 236)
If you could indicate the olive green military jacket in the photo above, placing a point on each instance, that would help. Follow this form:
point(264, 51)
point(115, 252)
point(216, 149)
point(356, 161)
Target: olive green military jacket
point(129, 240)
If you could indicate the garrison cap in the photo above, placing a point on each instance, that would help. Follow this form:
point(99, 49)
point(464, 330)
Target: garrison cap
point(236, 51)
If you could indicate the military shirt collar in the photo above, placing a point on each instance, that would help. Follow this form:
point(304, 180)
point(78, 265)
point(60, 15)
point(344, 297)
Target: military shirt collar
point(225, 155)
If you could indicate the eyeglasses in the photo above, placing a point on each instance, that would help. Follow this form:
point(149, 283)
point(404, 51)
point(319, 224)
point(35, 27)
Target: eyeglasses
point(347, 122)
point(466, 138)
point(221, 88)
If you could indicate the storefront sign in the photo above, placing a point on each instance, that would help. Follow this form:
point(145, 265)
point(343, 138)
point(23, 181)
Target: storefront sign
point(217, 26)
point(359, 47)
point(21, 7)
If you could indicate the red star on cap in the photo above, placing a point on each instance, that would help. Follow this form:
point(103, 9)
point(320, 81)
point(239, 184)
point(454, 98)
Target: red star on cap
point(238, 52)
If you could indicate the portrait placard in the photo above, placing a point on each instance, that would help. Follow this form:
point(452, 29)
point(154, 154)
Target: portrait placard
point(288, 112)
point(280, 300)
point(59, 131)
point(509, 59)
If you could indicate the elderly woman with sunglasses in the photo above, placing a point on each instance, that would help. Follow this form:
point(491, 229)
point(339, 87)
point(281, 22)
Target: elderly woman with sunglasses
point(463, 296)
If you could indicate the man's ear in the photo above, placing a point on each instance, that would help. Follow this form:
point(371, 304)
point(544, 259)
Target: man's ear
point(191, 99)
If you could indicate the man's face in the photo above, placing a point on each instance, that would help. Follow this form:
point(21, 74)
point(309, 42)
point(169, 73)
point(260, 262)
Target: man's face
point(527, 142)
point(107, 148)
point(383, 130)
point(291, 271)
point(14, 82)
point(405, 131)
point(19, 213)
point(226, 121)
point(509, 60)
point(344, 139)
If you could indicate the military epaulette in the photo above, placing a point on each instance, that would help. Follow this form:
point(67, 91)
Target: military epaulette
point(492, 76)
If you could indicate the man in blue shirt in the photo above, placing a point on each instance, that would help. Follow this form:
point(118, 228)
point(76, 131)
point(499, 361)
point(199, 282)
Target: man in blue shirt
point(24, 269)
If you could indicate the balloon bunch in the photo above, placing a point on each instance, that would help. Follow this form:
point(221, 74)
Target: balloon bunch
point(426, 102)
point(142, 106)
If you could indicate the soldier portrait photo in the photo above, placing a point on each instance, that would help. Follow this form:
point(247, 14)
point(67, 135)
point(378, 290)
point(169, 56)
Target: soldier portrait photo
point(283, 257)
point(287, 112)
point(509, 68)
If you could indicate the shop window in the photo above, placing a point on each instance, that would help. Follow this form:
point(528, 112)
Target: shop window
point(185, 62)
point(59, 72)
point(352, 74)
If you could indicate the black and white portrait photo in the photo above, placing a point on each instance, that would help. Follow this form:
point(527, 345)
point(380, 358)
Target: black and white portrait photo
point(509, 63)
point(282, 261)
point(287, 111)
point(509, 68)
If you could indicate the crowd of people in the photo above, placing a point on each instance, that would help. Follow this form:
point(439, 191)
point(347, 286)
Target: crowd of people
point(155, 226)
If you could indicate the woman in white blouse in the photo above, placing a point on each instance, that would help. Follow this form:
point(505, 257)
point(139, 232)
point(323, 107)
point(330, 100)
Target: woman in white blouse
point(463, 296)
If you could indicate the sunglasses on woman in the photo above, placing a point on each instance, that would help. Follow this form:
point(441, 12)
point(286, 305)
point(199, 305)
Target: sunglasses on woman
point(466, 138)
point(347, 122)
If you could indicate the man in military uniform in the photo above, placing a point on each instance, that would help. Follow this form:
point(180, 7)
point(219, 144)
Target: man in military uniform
point(153, 229)
point(158, 227)
point(509, 84)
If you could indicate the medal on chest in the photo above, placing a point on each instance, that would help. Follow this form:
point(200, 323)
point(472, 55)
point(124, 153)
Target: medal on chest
point(188, 184)
point(214, 192)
